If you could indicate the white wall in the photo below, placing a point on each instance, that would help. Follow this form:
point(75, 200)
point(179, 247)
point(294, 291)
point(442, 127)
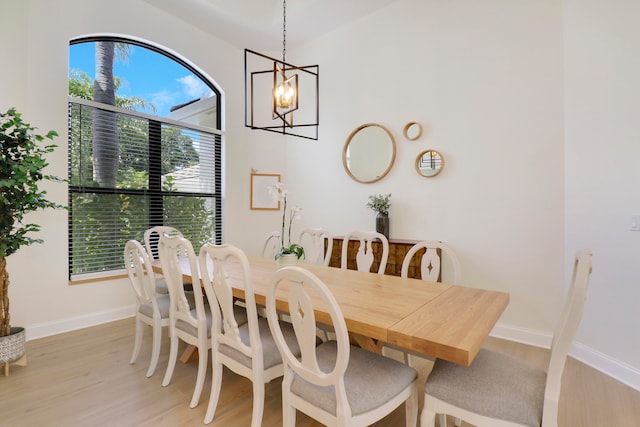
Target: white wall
point(487, 81)
point(36, 82)
point(602, 87)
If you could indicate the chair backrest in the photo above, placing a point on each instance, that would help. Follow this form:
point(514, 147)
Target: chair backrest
point(431, 263)
point(313, 241)
point(302, 288)
point(176, 256)
point(216, 263)
point(365, 256)
point(272, 245)
point(152, 238)
point(564, 333)
point(140, 273)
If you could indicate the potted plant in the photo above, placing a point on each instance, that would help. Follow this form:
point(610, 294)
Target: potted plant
point(291, 252)
point(380, 204)
point(21, 169)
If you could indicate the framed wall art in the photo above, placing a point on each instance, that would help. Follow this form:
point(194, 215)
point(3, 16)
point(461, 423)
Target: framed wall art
point(260, 196)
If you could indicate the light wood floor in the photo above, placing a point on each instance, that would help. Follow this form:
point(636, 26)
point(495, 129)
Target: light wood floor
point(83, 378)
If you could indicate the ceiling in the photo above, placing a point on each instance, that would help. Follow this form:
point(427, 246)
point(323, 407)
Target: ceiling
point(257, 24)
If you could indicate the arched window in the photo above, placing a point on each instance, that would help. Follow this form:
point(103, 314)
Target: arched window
point(145, 146)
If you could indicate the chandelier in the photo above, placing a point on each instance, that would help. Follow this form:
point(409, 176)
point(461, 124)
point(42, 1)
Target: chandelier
point(284, 83)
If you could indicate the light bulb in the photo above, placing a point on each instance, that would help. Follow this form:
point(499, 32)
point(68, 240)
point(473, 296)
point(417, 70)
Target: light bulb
point(284, 94)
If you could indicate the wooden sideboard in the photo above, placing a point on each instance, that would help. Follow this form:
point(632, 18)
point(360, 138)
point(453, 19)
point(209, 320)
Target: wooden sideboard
point(398, 249)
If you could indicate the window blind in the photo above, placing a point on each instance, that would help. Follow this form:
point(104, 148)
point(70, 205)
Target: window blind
point(130, 171)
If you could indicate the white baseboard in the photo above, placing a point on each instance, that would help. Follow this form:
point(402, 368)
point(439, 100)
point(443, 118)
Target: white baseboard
point(71, 324)
point(606, 364)
point(522, 335)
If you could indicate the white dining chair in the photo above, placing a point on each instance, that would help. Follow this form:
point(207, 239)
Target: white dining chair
point(498, 390)
point(434, 255)
point(151, 308)
point(151, 239)
point(334, 383)
point(189, 321)
point(245, 346)
point(431, 262)
point(271, 245)
point(365, 257)
point(314, 241)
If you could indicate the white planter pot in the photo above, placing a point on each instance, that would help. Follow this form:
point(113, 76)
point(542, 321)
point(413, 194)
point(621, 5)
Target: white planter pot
point(287, 260)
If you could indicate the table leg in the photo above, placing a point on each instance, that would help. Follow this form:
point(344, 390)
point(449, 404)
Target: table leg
point(367, 343)
point(190, 353)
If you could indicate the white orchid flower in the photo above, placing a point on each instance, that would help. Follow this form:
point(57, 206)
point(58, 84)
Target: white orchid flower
point(295, 213)
point(277, 192)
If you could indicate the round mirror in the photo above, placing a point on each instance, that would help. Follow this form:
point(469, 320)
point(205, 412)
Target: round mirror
point(429, 163)
point(369, 153)
point(412, 131)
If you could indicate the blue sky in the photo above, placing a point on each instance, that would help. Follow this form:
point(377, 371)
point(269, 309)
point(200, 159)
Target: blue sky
point(147, 75)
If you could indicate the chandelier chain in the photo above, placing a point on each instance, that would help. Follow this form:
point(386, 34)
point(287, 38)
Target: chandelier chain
point(284, 31)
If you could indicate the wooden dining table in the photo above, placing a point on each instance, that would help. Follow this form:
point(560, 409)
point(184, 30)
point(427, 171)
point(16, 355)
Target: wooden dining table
point(445, 321)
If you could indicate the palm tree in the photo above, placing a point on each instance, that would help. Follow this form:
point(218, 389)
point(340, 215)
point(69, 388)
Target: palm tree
point(105, 135)
point(105, 131)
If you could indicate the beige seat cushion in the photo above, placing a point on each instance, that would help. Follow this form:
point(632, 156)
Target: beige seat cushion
point(370, 380)
point(161, 287)
point(271, 354)
point(192, 330)
point(163, 307)
point(495, 385)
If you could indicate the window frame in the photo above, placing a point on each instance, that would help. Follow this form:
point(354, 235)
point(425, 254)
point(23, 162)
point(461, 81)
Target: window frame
point(155, 192)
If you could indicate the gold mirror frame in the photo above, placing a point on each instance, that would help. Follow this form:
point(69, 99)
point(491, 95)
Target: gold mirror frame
point(431, 166)
point(411, 128)
point(382, 140)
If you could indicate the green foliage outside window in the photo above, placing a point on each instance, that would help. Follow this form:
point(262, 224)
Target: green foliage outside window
point(102, 222)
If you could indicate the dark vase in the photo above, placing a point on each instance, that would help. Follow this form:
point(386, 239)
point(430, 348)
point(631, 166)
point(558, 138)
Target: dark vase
point(382, 224)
